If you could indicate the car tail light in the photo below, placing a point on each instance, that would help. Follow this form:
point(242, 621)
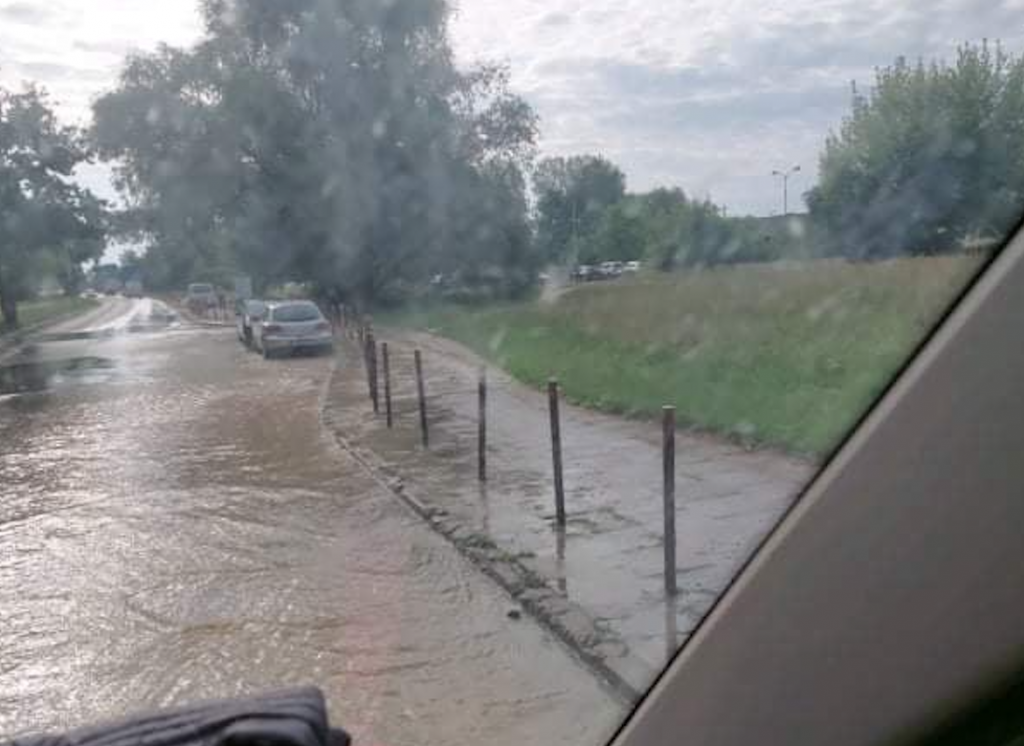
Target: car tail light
point(271, 328)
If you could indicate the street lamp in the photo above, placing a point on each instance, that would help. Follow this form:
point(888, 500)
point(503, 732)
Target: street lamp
point(785, 186)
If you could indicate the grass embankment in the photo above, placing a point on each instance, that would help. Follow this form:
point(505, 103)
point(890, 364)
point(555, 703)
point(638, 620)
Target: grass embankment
point(40, 311)
point(785, 356)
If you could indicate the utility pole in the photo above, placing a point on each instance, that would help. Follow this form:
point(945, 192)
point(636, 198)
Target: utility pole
point(575, 223)
point(573, 253)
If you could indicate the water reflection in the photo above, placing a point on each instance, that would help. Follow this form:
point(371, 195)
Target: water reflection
point(485, 509)
point(563, 581)
point(671, 626)
point(208, 540)
point(29, 377)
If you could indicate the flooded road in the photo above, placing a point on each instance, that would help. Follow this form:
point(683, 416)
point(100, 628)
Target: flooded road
point(176, 524)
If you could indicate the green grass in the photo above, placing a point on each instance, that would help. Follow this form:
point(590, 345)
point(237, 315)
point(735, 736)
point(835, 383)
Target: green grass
point(785, 356)
point(38, 311)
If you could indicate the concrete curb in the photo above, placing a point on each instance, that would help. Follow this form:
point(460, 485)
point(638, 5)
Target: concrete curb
point(601, 650)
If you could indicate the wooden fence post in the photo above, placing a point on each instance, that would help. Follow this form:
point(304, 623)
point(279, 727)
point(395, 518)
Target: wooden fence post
point(482, 426)
point(371, 371)
point(669, 488)
point(364, 344)
point(421, 393)
point(387, 383)
point(556, 451)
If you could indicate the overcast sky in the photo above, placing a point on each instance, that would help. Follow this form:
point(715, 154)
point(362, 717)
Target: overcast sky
point(709, 95)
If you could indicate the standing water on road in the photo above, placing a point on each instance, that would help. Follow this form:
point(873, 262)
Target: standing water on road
point(183, 528)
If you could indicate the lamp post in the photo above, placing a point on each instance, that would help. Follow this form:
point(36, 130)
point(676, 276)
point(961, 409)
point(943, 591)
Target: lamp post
point(785, 186)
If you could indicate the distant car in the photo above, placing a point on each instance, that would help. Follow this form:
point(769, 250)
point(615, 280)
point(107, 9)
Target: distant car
point(584, 273)
point(610, 270)
point(200, 297)
point(248, 312)
point(288, 326)
point(133, 289)
point(90, 295)
point(631, 268)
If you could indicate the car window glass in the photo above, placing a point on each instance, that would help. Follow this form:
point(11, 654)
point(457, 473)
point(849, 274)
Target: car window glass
point(584, 296)
point(295, 313)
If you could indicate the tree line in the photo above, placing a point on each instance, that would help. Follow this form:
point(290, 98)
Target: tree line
point(584, 215)
point(337, 143)
point(930, 161)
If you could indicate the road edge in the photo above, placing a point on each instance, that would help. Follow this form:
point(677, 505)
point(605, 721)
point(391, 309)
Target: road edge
point(570, 623)
point(14, 341)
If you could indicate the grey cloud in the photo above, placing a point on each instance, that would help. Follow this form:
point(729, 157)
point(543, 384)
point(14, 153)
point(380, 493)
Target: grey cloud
point(865, 37)
point(117, 47)
point(46, 70)
point(24, 12)
point(54, 71)
point(633, 78)
point(703, 91)
point(820, 106)
point(555, 19)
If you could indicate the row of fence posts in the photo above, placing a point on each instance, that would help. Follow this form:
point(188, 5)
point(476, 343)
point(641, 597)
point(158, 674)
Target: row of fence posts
point(364, 333)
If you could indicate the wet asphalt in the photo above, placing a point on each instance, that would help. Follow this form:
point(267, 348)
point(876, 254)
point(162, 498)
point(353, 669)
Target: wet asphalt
point(176, 524)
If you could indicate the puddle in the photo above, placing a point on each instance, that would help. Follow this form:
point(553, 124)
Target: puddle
point(151, 326)
point(26, 378)
point(76, 336)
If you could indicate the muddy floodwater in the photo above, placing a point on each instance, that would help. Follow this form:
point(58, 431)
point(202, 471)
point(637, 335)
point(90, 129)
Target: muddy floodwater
point(175, 523)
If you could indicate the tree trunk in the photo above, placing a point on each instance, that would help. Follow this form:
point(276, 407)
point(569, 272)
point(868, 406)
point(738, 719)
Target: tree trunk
point(8, 307)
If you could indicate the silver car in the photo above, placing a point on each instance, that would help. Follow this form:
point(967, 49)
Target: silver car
point(287, 326)
point(247, 313)
point(201, 297)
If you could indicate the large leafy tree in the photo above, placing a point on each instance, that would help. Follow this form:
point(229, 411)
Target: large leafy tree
point(323, 140)
point(572, 195)
point(46, 219)
point(933, 155)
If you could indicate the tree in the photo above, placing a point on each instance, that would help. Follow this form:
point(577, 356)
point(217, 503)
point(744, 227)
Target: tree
point(933, 155)
point(572, 195)
point(321, 140)
point(688, 233)
point(621, 235)
point(46, 220)
point(130, 266)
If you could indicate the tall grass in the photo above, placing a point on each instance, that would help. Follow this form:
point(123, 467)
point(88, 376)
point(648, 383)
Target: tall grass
point(786, 355)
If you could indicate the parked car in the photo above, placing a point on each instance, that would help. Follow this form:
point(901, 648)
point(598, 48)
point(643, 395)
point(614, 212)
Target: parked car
point(631, 268)
point(610, 270)
point(248, 312)
point(584, 273)
point(200, 297)
point(288, 326)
